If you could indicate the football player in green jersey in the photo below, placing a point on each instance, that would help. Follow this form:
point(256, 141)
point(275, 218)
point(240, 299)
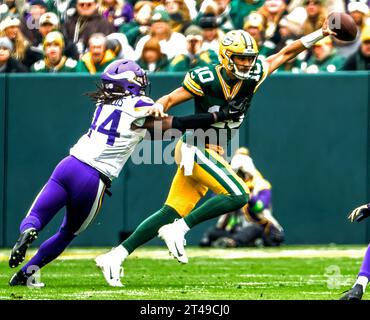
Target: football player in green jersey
point(230, 84)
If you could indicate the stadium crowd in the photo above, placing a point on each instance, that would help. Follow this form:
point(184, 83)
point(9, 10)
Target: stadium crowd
point(170, 35)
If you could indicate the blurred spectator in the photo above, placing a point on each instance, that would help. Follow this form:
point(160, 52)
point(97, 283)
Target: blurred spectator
point(254, 26)
point(192, 7)
point(7, 63)
point(152, 59)
point(54, 60)
point(22, 50)
point(97, 57)
point(140, 26)
point(117, 12)
point(324, 58)
point(13, 8)
point(31, 20)
point(172, 43)
point(179, 15)
point(360, 60)
point(195, 57)
point(272, 11)
point(211, 32)
point(85, 22)
point(49, 22)
point(117, 42)
point(62, 8)
point(289, 31)
point(240, 10)
point(316, 15)
point(221, 10)
point(252, 225)
point(330, 5)
point(359, 10)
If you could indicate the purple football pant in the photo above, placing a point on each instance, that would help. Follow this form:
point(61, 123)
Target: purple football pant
point(264, 196)
point(76, 186)
point(365, 267)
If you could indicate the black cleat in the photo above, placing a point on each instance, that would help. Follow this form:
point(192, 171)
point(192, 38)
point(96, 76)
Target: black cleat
point(354, 293)
point(22, 279)
point(19, 250)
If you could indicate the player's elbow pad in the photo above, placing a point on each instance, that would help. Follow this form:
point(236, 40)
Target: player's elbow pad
point(197, 121)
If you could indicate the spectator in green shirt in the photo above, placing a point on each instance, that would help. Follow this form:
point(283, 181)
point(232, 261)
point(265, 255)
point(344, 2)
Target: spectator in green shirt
point(98, 56)
point(324, 58)
point(240, 9)
point(194, 57)
point(152, 59)
point(54, 60)
point(140, 25)
point(254, 26)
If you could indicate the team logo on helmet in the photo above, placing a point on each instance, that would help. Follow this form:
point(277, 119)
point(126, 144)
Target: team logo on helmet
point(227, 40)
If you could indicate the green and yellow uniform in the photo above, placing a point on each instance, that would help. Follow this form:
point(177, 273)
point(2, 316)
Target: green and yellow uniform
point(212, 90)
point(201, 165)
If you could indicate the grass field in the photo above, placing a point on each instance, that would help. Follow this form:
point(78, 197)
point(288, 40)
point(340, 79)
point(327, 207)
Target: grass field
point(288, 273)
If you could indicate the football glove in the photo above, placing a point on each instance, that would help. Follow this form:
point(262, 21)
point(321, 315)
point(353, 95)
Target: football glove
point(234, 110)
point(360, 213)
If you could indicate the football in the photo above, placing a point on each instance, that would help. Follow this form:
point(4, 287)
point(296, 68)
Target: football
point(343, 25)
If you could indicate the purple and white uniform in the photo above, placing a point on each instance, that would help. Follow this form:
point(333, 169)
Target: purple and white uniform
point(76, 183)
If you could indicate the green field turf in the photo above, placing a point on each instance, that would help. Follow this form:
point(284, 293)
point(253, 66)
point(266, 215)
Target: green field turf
point(289, 273)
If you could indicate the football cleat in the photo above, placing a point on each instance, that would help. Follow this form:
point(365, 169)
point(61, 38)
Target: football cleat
point(111, 268)
point(354, 293)
point(19, 250)
point(22, 279)
point(174, 240)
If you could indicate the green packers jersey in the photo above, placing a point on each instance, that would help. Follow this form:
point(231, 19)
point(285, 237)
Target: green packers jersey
point(213, 90)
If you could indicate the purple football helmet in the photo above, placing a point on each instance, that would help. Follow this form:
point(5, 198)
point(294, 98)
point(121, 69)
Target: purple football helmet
point(124, 77)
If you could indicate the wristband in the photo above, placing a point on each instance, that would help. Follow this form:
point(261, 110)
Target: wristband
point(309, 40)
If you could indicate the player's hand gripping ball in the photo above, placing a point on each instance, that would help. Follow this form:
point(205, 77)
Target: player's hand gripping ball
point(343, 25)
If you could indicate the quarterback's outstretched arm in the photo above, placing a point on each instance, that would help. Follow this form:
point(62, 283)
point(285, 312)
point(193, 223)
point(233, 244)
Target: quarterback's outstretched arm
point(166, 102)
point(292, 50)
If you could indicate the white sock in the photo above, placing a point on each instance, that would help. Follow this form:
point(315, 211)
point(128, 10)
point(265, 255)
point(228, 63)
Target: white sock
point(362, 280)
point(183, 226)
point(120, 252)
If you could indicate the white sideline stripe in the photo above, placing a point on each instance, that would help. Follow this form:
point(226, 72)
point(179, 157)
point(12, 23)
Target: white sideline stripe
point(93, 209)
point(219, 172)
point(162, 254)
point(34, 201)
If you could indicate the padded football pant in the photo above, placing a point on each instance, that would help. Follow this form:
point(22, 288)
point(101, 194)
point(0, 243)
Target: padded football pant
point(365, 267)
point(76, 186)
point(210, 171)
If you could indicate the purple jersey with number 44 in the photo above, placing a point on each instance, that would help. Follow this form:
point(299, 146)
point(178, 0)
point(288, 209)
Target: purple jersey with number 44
point(110, 140)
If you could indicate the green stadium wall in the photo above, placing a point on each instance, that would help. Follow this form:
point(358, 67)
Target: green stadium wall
point(308, 134)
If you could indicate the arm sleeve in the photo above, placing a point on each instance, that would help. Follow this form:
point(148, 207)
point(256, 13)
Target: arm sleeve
point(196, 121)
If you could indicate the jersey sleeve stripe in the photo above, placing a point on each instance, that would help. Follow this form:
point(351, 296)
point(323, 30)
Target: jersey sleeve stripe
point(141, 104)
point(190, 80)
point(192, 89)
point(189, 85)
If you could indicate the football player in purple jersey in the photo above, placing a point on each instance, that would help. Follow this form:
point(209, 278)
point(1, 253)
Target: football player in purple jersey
point(363, 277)
point(78, 183)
